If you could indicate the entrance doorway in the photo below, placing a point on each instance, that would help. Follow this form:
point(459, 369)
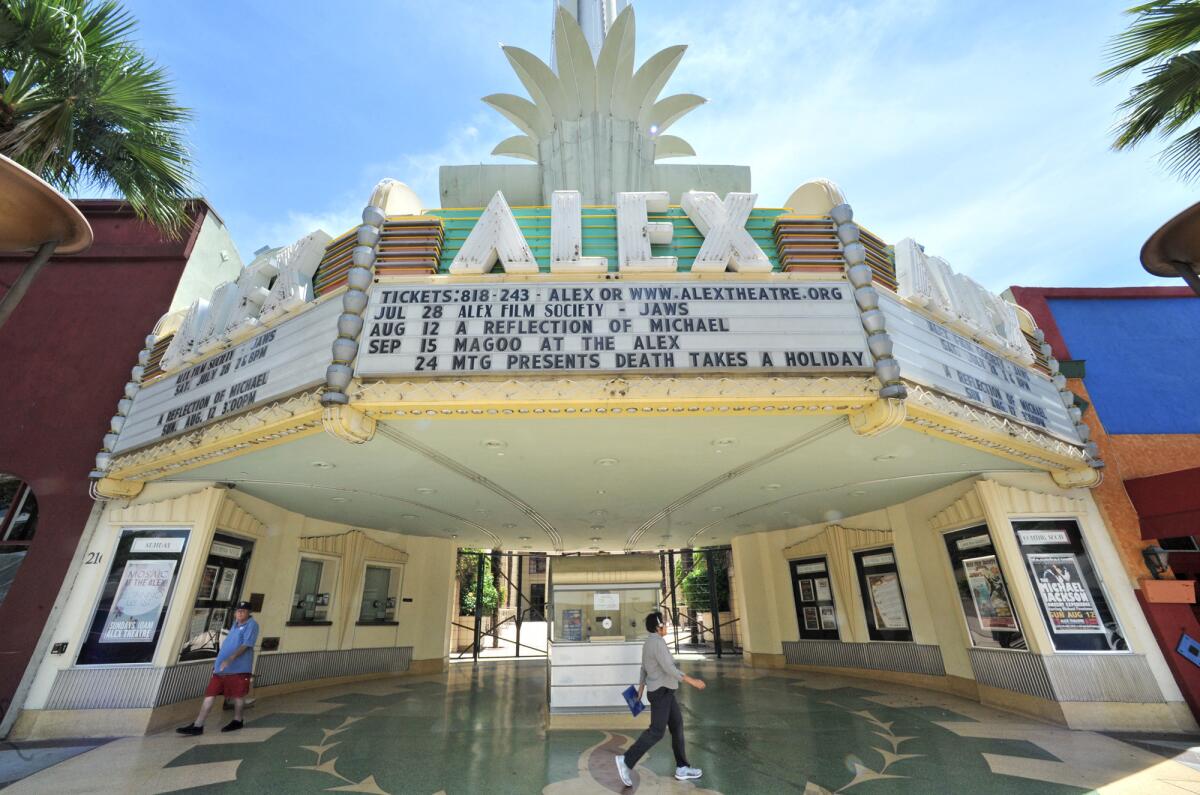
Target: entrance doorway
point(502, 610)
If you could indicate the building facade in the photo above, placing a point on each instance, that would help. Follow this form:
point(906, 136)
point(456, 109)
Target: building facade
point(66, 349)
point(1121, 350)
point(600, 353)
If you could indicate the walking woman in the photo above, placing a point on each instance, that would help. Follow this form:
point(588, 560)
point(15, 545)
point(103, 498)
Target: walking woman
point(661, 677)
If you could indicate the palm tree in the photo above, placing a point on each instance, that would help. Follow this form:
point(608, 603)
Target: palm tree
point(83, 107)
point(1161, 42)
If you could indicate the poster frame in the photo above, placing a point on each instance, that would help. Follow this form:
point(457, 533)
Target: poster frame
point(862, 571)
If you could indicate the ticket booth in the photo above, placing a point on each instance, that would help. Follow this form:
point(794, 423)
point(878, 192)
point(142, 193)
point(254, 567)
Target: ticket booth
point(598, 609)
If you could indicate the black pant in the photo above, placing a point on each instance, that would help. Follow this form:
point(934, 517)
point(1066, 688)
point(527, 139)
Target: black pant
point(664, 714)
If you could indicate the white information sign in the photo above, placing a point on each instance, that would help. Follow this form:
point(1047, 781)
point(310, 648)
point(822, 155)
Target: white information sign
point(606, 601)
point(270, 365)
point(787, 326)
point(1037, 537)
point(156, 545)
point(933, 355)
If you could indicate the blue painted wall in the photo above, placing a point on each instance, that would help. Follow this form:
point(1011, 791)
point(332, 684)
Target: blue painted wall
point(1142, 358)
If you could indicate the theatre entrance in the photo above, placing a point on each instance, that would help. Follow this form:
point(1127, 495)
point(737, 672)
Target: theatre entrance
point(504, 608)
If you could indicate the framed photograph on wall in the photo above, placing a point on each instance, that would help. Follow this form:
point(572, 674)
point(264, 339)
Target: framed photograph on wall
point(216, 621)
point(811, 620)
point(208, 582)
point(225, 584)
point(807, 592)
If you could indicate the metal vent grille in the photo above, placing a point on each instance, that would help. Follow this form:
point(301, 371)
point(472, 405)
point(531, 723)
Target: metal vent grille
point(914, 658)
point(277, 669)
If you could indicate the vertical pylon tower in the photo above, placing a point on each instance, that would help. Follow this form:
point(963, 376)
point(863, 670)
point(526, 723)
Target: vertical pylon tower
point(595, 17)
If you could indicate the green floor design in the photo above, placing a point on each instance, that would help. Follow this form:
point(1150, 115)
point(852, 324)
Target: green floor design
point(483, 732)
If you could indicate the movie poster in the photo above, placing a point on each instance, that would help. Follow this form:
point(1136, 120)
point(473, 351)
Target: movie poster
point(887, 604)
point(828, 619)
point(137, 606)
point(986, 584)
point(807, 594)
point(1064, 594)
point(823, 594)
point(810, 618)
point(572, 624)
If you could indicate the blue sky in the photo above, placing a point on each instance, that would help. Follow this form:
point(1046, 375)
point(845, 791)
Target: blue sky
point(974, 127)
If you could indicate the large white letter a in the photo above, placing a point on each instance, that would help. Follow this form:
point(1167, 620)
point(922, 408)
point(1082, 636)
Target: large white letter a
point(495, 236)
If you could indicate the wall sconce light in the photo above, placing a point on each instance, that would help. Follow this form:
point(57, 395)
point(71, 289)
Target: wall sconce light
point(1156, 559)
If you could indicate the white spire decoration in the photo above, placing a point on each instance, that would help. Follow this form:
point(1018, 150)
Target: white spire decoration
point(594, 124)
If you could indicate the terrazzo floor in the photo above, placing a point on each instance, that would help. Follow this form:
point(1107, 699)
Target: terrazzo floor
point(481, 729)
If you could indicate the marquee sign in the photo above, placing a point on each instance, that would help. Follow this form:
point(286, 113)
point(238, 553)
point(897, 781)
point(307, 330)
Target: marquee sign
point(780, 326)
point(270, 365)
point(933, 355)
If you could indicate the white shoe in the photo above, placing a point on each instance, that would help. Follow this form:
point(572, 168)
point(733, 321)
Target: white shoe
point(623, 771)
point(685, 773)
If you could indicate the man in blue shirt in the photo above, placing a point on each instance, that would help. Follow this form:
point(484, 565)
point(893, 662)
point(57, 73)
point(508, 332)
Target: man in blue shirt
point(231, 671)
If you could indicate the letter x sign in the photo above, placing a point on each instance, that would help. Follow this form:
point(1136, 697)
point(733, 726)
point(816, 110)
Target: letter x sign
point(727, 244)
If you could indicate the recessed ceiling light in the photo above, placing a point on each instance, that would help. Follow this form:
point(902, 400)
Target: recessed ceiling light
point(597, 527)
point(728, 441)
point(593, 547)
point(772, 487)
point(482, 511)
point(426, 490)
point(522, 538)
point(339, 499)
point(454, 536)
point(607, 462)
point(601, 491)
point(594, 538)
point(244, 474)
point(322, 465)
point(886, 457)
point(408, 516)
point(833, 516)
point(599, 512)
point(494, 444)
point(525, 546)
point(716, 508)
point(666, 535)
point(509, 525)
point(858, 493)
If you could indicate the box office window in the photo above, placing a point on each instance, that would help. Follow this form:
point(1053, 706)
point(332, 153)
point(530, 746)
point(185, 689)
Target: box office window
point(989, 612)
point(815, 609)
point(221, 582)
point(1070, 597)
point(128, 620)
point(587, 613)
point(313, 596)
point(882, 595)
point(380, 587)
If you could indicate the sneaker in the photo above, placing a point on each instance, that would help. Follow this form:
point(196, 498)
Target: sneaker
point(232, 726)
point(191, 730)
point(623, 771)
point(685, 773)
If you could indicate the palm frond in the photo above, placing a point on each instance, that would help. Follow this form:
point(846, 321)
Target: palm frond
point(1162, 29)
point(1166, 101)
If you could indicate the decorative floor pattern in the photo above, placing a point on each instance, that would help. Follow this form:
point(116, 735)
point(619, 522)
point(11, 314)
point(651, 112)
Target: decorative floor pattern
point(480, 729)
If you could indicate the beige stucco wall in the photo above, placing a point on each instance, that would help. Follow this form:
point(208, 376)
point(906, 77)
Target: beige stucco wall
point(428, 577)
point(931, 597)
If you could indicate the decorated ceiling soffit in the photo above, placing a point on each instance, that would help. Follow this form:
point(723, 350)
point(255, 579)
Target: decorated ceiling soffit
point(302, 341)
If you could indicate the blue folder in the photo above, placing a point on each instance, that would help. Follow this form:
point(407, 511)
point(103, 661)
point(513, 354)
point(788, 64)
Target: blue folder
point(631, 698)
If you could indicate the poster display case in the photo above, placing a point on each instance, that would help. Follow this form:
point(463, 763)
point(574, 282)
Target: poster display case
point(128, 618)
point(1070, 596)
point(882, 595)
point(812, 588)
point(983, 590)
point(221, 583)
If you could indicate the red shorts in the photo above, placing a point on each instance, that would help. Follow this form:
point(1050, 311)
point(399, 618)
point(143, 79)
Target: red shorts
point(228, 685)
